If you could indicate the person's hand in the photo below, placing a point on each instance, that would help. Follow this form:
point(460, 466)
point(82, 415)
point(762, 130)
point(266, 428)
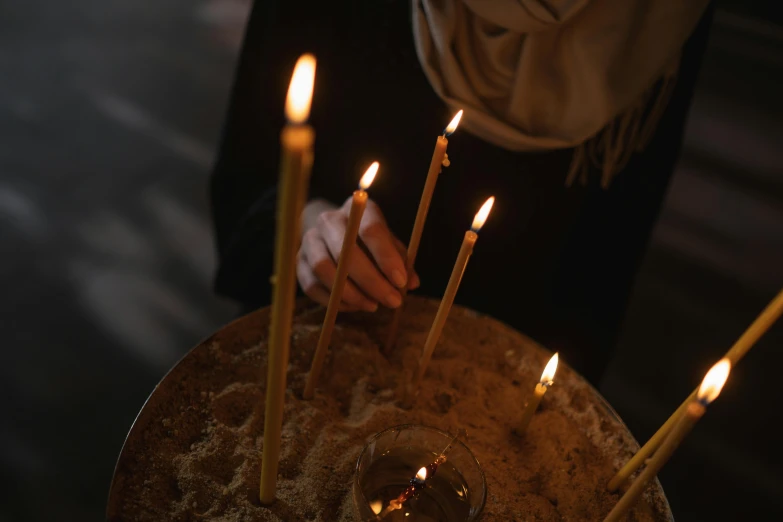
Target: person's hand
point(377, 269)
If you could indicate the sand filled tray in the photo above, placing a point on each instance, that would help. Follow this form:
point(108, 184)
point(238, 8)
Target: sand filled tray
point(194, 452)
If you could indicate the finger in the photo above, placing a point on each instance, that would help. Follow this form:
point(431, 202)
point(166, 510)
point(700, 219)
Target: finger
point(413, 278)
point(322, 265)
point(310, 284)
point(380, 243)
point(316, 291)
point(348, 309)
point(414, 282)
point(400, 246)
point(363, 272)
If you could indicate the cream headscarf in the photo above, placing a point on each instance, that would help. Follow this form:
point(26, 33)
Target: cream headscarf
point(552, 74)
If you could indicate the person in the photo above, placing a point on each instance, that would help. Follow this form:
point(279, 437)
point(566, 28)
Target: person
point(574, 116)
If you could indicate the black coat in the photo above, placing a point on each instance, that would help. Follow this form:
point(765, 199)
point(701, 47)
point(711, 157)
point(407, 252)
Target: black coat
point(555, 263)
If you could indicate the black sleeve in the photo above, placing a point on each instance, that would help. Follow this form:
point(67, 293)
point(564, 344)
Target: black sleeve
point(244, 179)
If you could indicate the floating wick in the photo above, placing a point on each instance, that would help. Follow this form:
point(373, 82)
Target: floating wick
point(419, 481)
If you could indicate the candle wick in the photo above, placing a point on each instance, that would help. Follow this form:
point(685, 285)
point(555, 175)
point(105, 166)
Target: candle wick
point(416, 484)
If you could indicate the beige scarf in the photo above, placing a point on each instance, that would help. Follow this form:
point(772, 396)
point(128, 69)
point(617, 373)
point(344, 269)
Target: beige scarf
point(553, 74)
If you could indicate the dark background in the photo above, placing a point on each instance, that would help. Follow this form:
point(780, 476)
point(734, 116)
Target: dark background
point(109, 116)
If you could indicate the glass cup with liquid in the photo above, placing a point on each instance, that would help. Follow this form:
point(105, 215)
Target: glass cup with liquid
point(455, 493)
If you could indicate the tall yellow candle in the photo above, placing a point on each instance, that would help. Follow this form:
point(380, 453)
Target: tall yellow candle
point(743, 345)
point(547, 379)
point(358, 204)
point(296, 160)
point(451, 291)
point(708, 391)
point(438, 160)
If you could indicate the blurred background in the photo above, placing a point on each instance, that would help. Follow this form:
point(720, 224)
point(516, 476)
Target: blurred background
point(109, 117)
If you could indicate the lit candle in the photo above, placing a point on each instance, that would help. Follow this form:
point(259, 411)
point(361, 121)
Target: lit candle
point(708, 391)
point(439, 159)
point(416, 484)
point(743, 345)
point(358, 204)
point(547, 379)
point(451, 291)
point(295, 162)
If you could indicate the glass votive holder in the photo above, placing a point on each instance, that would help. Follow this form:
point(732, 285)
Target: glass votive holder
point(455, 493)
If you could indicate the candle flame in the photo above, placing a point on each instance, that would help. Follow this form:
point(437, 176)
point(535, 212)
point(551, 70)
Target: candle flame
point(369, 176)
point(451, 127)
point(548, 377)
point(714, 380)
point(300, 91)
point(422, 474)
point(482, 214)
point(376, 506)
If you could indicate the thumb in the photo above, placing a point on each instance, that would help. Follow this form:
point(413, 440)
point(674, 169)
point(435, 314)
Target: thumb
point(413, 278)
point(379, 241)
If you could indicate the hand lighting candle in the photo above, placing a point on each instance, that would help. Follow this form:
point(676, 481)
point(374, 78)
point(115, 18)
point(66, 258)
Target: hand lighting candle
point(547, 379)
point(439, 158)
point(451, 291)
point(296, 159)
point(358, 204)
point(708, 391)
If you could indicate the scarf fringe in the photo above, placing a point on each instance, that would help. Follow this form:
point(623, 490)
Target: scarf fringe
point(612, 147)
